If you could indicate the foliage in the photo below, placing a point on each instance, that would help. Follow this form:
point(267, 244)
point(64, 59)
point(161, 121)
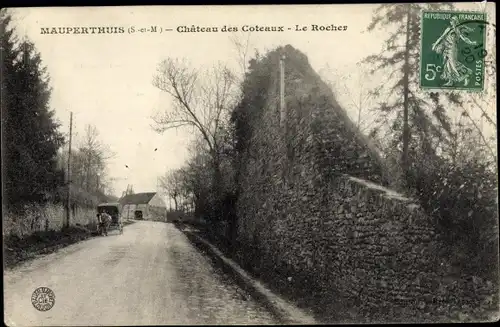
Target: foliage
point(31, 138)
point(460, 190)
point(427, 118)
point(172, 184)
point(201, 99)
point(19, 249)
point(452, 170)
point(254, 96)
point(89, 158)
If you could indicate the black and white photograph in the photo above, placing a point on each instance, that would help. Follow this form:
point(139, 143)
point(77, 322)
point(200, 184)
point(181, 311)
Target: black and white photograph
point(249, 164)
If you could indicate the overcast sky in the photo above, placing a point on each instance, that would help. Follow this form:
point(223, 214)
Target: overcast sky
point(105, 79)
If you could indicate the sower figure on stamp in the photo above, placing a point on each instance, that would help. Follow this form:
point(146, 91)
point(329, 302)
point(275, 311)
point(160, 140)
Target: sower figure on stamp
point(446, 44)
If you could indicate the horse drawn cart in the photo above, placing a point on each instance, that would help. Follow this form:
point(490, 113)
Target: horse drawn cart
point(114, 210)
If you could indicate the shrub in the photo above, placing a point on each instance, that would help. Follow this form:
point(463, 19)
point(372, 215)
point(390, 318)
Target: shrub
point(463, 200)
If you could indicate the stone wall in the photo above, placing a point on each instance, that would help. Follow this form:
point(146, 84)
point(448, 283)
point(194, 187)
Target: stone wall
point(44, 217)
point(312, 205)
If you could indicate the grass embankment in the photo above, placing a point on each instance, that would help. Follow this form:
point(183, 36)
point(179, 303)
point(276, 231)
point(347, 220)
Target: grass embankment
point(17, 250)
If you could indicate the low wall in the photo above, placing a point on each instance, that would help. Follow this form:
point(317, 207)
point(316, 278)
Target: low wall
point(46, 217)
point(158, 214)
point(180, 216)
point(373, 250)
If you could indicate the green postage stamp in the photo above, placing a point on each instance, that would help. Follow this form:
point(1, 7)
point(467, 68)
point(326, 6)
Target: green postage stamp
point(453, 50)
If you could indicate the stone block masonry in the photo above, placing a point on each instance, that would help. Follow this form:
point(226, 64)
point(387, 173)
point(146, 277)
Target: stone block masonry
point(313, 205)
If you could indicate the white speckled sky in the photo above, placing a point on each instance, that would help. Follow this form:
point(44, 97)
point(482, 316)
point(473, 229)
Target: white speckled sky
point(105, 79)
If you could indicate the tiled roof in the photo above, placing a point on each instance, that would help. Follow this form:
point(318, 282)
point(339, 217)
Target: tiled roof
point(138, 198)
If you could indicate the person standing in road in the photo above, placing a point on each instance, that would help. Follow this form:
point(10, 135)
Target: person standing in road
point(105, 220)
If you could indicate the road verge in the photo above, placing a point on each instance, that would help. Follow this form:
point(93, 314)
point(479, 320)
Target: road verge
point(283, 311)
point(18, 250)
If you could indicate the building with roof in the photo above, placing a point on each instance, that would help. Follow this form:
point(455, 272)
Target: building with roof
point(149, 206)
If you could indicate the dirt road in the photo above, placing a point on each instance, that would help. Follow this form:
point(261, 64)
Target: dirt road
point(149, 275)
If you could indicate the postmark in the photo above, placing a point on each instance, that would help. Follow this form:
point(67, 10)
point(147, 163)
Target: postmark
point(43, 299)
point(453, 50)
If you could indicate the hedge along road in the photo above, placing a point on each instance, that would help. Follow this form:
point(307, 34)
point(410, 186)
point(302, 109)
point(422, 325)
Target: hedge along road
point(149, 275)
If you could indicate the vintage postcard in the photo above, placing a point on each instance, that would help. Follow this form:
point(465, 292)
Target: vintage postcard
point(285, 164)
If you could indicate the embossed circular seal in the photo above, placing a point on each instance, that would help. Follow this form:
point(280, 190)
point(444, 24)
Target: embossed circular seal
point(43, 299)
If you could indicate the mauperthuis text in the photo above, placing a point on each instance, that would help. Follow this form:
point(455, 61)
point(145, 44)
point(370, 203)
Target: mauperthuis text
point(134, 29)
point(83, 30)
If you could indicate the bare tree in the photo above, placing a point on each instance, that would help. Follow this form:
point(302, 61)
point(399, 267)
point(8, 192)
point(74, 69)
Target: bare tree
point(192, 182)
point(242, 44)
point(359, 99)
point(171, 183)
point(201, 99)
point(92, 160)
